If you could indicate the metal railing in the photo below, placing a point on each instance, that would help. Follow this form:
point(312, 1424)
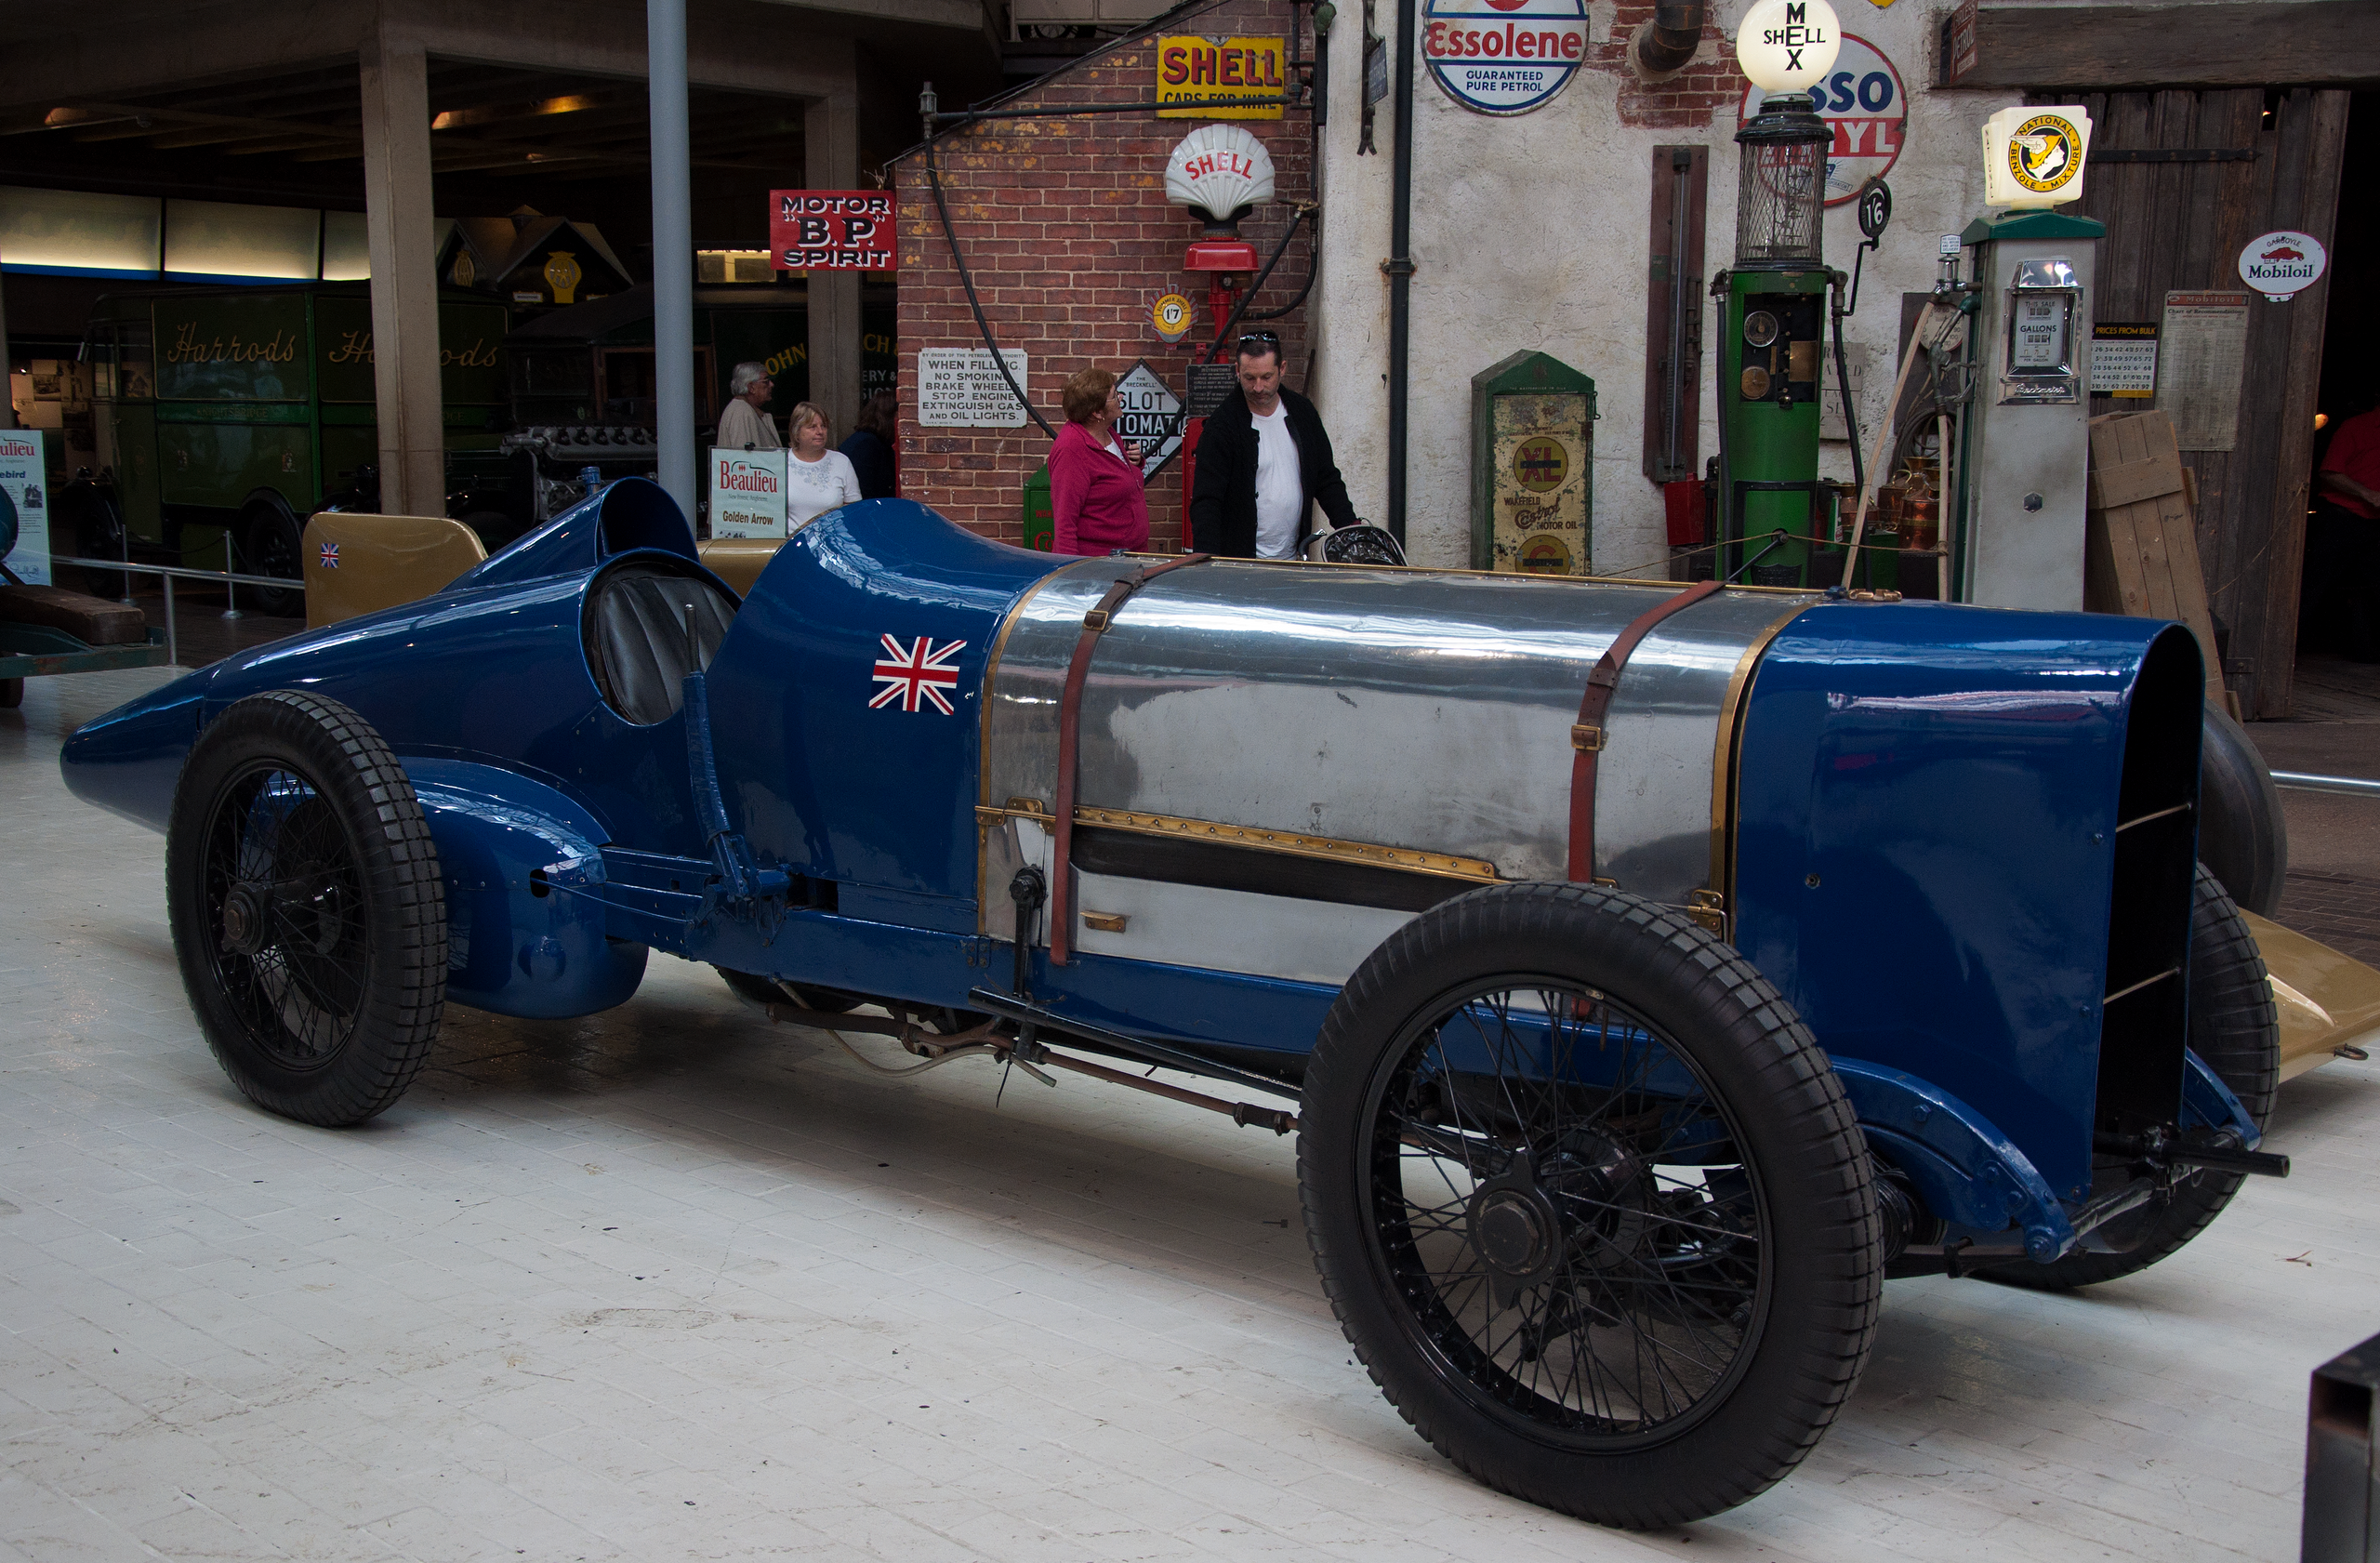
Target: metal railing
point(168, 574)
point(2306, 781)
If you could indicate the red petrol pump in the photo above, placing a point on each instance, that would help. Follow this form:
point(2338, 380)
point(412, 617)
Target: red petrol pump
point(1221, 172)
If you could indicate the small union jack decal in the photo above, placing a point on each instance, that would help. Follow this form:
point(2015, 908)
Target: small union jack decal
point(921, 672)
point(330, 556)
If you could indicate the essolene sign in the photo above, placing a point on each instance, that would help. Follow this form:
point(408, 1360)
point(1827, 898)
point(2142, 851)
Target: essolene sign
point(1787, 45)
point(1503, 56)
point(2283, 264)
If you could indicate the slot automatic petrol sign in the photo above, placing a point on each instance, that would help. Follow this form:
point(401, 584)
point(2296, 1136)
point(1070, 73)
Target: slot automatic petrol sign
point(832, 230)
point(1503, 56)
point(1862, 100)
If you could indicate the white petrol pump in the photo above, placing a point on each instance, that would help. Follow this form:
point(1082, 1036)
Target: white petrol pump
point(2023, 457)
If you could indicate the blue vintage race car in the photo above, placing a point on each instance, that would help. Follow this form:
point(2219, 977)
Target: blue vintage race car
point(1648, 973)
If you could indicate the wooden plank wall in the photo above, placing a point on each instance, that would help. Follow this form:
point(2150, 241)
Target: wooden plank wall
point(2182, 226)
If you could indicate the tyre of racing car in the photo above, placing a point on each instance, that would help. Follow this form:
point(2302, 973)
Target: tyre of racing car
point(308, 912)
point(756, 989)
point(2244, 837)
point(1590, 1203)
point(2235, 1030)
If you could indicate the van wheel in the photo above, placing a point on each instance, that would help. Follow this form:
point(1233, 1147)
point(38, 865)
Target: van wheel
point(309, 915)
point(271, 546)
point(1590, 1203)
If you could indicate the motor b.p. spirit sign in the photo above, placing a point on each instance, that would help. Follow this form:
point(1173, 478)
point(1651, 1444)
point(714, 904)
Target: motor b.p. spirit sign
point(832, 230)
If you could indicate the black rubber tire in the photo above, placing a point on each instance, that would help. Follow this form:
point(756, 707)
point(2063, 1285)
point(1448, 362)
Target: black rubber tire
point(12, 694)
point(377, 979)
point(2242, 835)
point(2236, 1030)
point(98, 533)
point(1802, 1343)
point(760, 990)
point(271, 543)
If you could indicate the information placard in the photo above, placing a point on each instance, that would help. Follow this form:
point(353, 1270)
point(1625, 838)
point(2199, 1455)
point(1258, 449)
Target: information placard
point(2123, 358)
point(24, 500)
point(747, 494)
point(2205, 348)
point(960, 388)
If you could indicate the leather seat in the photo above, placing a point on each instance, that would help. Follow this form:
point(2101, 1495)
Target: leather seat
point(637, 640)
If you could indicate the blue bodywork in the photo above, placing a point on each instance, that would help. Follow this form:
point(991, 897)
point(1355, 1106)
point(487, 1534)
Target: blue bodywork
point(1884, 753)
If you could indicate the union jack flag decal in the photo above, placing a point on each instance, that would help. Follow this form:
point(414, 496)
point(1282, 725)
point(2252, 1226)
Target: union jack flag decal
point(921, 672)
point(330, 556)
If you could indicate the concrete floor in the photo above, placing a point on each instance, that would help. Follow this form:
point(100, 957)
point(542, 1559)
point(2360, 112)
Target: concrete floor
point(673, 1283)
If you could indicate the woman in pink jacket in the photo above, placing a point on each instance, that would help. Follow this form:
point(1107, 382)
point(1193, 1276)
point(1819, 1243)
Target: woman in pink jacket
point(1096, 498)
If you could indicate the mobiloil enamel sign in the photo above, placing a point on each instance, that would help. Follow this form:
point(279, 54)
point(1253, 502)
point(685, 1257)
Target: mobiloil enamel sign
point(1503, 56)
point(2283, 264)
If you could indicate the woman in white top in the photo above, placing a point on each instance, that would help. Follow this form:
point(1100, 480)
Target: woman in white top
point(816, 479)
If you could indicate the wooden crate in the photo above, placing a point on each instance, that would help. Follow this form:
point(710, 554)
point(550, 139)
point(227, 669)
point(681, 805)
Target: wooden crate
point(2140, 542)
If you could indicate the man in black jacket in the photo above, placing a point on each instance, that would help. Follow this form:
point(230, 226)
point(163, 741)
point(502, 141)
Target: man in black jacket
point(1264, 460)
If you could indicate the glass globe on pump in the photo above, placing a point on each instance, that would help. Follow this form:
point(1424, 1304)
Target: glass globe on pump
point(1221, 173)
point(1770, 342)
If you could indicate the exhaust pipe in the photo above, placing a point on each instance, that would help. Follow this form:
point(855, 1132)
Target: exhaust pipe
point(1667, 41)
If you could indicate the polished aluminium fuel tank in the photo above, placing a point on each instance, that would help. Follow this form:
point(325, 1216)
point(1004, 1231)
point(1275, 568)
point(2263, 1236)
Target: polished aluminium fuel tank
point(1403, 735)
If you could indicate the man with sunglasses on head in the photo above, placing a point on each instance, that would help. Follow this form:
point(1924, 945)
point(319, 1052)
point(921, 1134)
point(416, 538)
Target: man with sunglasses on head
point(1263, 459)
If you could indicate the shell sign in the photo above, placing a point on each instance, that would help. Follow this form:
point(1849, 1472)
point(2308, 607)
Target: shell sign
point(1503, 56)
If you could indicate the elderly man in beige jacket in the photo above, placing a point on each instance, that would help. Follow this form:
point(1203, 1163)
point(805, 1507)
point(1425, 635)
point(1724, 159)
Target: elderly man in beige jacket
point(744, 426)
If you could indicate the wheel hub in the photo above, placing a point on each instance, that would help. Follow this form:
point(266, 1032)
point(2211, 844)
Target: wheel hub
point(1515, 1230)
point(244, 921)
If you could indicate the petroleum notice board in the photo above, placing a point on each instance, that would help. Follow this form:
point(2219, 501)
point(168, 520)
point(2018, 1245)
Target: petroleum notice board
point(2204, 349)
point(960, 388)
point(2123, 358)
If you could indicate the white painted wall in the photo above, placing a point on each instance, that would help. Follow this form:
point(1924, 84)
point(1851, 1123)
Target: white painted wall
point(1531, 232)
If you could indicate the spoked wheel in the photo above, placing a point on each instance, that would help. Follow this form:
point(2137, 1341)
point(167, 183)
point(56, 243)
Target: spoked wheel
point(1590, 1203)
point(274, 548)
point(307, 913)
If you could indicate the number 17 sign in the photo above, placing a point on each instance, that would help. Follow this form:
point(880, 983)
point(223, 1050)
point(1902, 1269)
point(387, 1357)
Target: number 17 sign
point(832, 230)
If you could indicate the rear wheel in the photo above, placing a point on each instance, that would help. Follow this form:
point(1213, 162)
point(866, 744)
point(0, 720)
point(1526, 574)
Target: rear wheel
point(307, 913)
point(2235, 1030)
point(1590, 1203)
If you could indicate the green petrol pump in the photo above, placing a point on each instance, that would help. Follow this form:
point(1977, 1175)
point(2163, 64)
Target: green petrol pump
point(1771, 347)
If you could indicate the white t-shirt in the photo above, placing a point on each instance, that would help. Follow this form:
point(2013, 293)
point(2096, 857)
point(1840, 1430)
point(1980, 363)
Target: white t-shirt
point(1280, 486)
point(814, 487)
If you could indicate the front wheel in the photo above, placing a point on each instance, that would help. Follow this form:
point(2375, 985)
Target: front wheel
point(308, 912)
point(1590, 1203)
point(274, 548)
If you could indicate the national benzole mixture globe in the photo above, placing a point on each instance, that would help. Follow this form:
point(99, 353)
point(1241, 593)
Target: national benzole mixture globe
point(1770, 356)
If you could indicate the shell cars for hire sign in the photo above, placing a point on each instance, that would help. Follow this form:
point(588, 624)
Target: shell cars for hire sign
point(1862, 100)
point(1503, 56)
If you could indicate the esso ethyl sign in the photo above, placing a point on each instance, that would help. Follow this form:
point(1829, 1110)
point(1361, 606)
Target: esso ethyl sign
point(1862, 100)
point(1503, 56)
point(2283, 265)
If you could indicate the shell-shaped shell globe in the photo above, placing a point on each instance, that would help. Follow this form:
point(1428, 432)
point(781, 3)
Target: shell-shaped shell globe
point(1218, 169)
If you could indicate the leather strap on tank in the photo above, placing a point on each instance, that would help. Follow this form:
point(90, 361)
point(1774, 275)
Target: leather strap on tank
point(1094, 624)
point(1586, 737)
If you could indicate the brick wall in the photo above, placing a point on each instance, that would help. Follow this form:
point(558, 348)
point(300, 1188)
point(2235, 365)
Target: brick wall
point(1710, 86)
point(1065, 229)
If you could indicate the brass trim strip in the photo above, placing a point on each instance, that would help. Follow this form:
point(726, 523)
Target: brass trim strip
point(1727, 756)
point(1289, 843)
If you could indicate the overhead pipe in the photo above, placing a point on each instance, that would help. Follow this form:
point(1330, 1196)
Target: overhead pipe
point(1667, 41)
point(1399, 267)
